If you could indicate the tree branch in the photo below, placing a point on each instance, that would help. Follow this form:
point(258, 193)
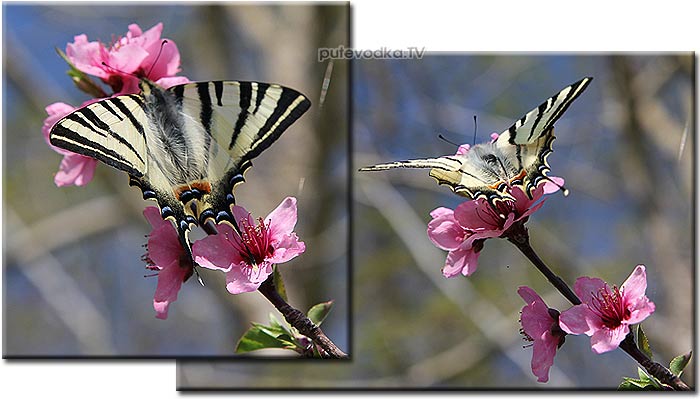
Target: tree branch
point(518, 235)
point(299, 321)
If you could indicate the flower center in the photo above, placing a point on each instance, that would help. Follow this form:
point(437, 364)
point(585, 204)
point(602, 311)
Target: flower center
point(256, 241)
point(608, 305)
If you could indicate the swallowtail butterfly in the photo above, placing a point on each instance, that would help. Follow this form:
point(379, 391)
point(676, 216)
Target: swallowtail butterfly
point(517, 157)
point(185, 147)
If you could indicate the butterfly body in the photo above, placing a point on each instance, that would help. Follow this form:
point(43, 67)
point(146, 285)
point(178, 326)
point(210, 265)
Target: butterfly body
point(518, 157)
point(187, 146)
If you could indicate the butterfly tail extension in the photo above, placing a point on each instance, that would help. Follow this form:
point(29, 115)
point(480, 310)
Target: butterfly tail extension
point(443, 163)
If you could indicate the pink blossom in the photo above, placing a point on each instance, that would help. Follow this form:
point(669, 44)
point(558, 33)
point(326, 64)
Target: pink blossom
point(462, 232)
point(74, 169)
point(166, 256)
point(540, 326)
point(605, 313)
point(247, 258)
point(135, 55)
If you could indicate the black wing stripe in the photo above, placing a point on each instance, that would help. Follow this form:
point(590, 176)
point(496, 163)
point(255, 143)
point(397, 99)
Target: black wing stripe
point(105, 105)
point(88, 114)
point(245, 94)
point(541, 110)
point(72, 141)
point(205, 110)
point(290, 106)
point(219, 90)
point(123, 108)
point(262, 89)
point(576, 90)
point(178, 91)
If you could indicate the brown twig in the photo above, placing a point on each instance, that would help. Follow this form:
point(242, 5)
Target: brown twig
point(299, 321)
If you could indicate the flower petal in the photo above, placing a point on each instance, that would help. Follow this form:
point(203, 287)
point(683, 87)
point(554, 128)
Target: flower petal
point(586, 288)
point(636, 284)
point(462, 261)
point(164, 245)
point(75, 170)
point(475, 215)
point(534, 318)
point(444, 231)
point(152, 214)
point(241, 279)
point(170, 279)
point(287, 249)
point(283, 218)
point(543, 351)
point(528, 294)
point(577, 320)
point(642, 309)
point(218, 252)
point(605, 339)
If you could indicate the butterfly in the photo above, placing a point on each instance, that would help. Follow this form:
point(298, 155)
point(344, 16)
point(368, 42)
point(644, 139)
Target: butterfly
point(518, 157)
point(186, 147)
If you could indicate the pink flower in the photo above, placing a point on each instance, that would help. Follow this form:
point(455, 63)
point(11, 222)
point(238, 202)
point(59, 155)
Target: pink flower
point(462, 232)
point(605, 313)
point(166, 256)
point(136, 55)
point(247, 258)
point(75, 169)
point(540, 326)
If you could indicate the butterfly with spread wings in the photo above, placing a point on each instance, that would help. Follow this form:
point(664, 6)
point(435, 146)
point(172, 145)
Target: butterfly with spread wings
point(186, 147)
point(517, 158)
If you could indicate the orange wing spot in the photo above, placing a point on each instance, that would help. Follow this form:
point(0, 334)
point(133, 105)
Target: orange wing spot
point(521, 176)
point(179, 190)
point(202, 185)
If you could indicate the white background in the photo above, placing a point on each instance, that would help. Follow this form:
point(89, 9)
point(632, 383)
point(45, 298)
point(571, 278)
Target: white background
point(505, 25)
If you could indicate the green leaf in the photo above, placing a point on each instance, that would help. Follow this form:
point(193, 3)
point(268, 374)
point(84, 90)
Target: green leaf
point(318, 312)
point(630, 384)
point(279, 283)
point(647, 379)
point(282, 327)
point(679, 362)
point(257, 338)
point(643, 342)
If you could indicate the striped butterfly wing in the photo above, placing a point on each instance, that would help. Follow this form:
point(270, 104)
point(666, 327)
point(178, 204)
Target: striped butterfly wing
point(241, 119)
point(529, 140)
point(185, 147)
point(517, 157)
point(110, 130)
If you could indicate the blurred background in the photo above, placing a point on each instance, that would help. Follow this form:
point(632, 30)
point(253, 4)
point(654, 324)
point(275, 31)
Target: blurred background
point(626, 150)
point(73, 277)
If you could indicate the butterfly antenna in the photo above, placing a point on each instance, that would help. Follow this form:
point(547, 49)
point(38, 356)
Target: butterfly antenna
point(119, 70)
point(441, 137)
point(474, 140)
point(160, 50)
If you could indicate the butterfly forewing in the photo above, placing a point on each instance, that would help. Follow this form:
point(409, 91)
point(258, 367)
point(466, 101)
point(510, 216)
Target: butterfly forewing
point(538, 121)
point(110, 130)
